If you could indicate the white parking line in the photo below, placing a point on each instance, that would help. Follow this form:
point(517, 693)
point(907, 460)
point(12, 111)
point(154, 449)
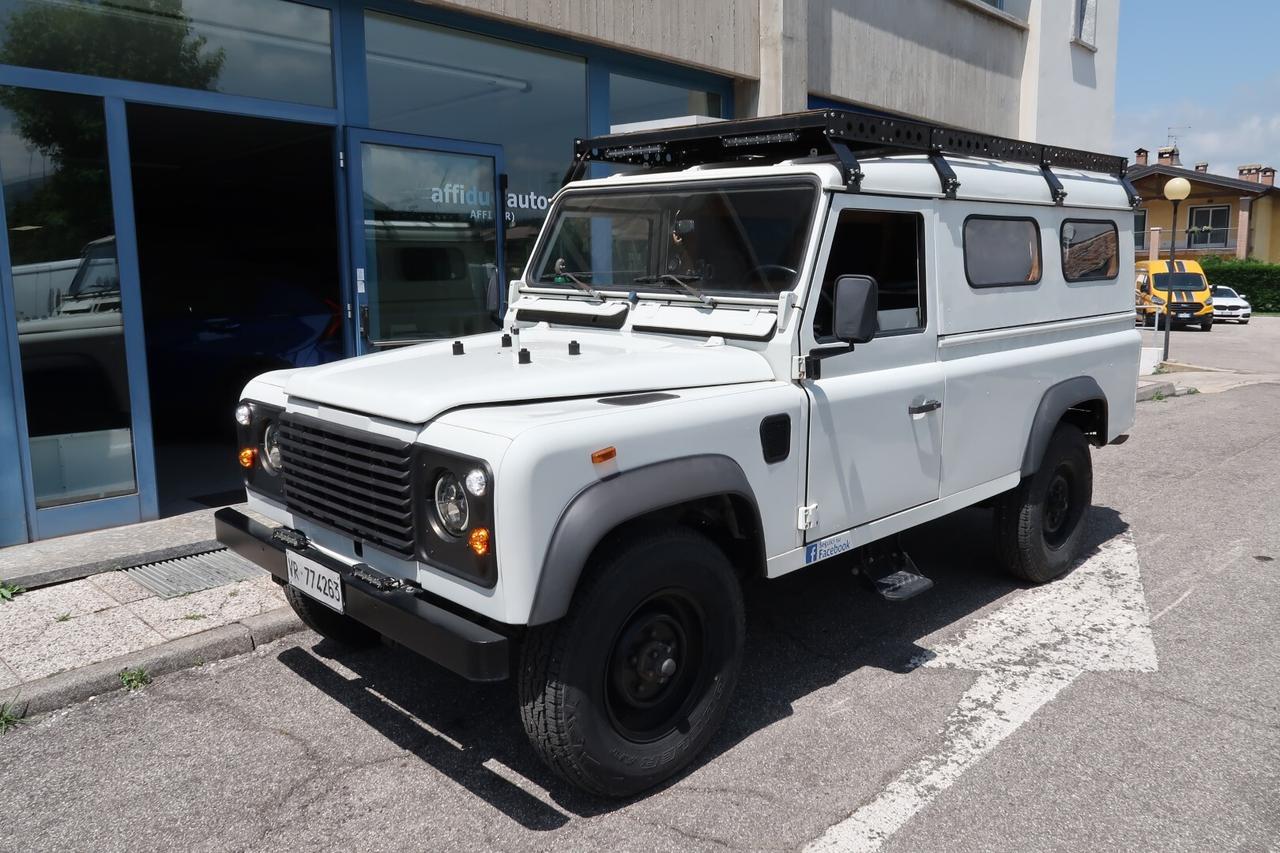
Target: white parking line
point(1025, 653)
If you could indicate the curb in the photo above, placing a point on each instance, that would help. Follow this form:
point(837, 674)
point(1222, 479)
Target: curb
point(67, 688)
point(1150, 390)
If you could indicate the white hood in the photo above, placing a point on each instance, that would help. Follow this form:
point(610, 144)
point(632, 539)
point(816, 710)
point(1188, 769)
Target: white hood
point(417, 383)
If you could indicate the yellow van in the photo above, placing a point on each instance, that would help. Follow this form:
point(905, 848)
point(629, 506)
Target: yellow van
point(1181, 293)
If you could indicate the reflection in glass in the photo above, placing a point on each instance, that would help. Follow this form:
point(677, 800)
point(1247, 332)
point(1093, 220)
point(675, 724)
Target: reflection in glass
point(446, 83)
point(57, 194)
point(632, 99)
point(430, 238)
point(261, 48)
point(1090, 250)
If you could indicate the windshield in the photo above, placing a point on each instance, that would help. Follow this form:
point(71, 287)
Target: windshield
point(743, 240)
point(1179, 281)
point(1225, 292)
point(97, 273)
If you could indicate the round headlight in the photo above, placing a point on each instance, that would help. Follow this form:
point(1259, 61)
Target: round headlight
point(452, 510)
point(271, 449)
point(244, 414)
point(477, 482)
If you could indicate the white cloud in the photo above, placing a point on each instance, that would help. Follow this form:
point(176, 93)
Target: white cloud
point(1242, 127)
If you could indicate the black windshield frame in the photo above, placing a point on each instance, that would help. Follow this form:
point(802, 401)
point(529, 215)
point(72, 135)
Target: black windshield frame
point(540, 270)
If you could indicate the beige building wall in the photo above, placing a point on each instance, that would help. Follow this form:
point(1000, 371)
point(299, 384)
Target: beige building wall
point(714, 35)
point(951, 61)
point(1015, 72)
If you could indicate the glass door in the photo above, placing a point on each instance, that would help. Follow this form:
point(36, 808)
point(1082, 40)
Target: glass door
point(71, 313)
point(427, 229)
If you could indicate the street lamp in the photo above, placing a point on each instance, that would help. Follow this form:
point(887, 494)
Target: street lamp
point(1176, 189)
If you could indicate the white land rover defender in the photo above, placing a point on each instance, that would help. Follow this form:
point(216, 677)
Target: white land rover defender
point(766, 343)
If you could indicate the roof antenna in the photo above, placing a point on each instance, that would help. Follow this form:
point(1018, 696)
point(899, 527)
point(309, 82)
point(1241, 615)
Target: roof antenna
point(1172, 134)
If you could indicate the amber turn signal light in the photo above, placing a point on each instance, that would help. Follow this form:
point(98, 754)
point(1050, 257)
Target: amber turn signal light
point(248, 456)
point(479, 541)
point(604, 454)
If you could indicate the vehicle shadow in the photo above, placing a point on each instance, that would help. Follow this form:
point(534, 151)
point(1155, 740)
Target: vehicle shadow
point(806, 631)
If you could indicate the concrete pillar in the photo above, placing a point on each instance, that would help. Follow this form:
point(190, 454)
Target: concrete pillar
point(1242, 229)
point(1153, 244)
point(784, 57)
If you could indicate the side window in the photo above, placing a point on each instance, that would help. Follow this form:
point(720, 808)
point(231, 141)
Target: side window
point(1001, 251)
point(887, 247)
point(1090, 250)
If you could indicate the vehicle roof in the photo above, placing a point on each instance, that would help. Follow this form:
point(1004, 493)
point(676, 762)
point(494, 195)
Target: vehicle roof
point(1163, 266)
point(912, 175)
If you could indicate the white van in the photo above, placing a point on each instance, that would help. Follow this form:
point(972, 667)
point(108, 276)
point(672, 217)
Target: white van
point(780, 341)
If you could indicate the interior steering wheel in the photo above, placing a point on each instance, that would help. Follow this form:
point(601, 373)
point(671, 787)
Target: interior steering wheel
point(767, 271)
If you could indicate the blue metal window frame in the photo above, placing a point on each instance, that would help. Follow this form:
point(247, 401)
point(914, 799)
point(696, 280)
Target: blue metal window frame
point(356, 139)
point(19, 519)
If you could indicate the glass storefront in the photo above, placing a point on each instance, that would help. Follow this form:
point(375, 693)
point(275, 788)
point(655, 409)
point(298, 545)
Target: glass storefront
point(261, 48)
point(67, 300)
point(283, 197)
point(632, 99)
point(441, 82)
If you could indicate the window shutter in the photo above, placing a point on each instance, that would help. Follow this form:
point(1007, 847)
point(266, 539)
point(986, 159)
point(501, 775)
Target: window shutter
point(1087, 25)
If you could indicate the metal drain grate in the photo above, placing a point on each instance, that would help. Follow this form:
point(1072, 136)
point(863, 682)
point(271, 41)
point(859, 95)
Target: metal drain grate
point(171, 578)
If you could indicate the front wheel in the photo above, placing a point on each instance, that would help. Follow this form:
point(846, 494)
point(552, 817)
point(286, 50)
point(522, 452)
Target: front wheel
point(1040, 524)
point(329, 623)
point(626, 689)
point(1206, 325)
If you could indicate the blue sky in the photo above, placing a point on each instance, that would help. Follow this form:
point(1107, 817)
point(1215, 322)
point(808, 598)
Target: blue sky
point(1213, 66)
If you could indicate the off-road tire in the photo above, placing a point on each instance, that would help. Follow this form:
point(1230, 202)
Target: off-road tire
point(1028, 544)
point(569, 668)
point(329, 623)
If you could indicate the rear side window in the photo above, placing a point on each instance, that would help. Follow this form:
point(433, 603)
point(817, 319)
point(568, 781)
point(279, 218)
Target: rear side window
point(1090, 250)
point(1001, 251)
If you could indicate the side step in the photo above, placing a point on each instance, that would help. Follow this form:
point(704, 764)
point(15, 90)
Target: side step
point(891, 571)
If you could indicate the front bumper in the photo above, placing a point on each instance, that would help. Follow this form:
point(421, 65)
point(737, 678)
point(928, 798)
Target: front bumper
point(456, 643)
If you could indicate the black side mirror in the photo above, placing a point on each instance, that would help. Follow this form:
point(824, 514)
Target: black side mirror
point(857, 300)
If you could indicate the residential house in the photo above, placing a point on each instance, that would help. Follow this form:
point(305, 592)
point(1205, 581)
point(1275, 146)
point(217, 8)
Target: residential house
point(1226, 216)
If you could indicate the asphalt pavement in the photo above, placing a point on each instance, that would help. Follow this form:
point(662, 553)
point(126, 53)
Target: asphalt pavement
point(984, 715)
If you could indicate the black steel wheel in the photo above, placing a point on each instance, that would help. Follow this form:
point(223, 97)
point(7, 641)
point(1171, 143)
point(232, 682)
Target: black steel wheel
point(629, 686)
point(1040, 524)
point(328, 623)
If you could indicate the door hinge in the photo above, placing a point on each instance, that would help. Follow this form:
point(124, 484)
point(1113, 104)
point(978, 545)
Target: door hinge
point(806, 367)
point(807, 517)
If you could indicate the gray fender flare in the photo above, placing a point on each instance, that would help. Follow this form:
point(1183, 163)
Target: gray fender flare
point(603, 505)
point(1053, 405)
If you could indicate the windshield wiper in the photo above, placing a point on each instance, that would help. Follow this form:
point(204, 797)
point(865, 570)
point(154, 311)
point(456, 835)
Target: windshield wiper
point(560, 275)
point(682, 282)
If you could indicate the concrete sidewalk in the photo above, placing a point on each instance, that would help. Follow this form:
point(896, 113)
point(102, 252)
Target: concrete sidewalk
point(67, 642)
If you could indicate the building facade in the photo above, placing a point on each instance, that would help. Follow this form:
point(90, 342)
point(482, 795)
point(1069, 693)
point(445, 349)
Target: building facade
point(195, 191)
point(1228, 216)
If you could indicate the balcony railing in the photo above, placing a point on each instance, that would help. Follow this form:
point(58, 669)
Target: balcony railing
point(1194, 240)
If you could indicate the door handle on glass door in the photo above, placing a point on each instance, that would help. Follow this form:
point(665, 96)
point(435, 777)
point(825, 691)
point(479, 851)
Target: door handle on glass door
point(925, 407)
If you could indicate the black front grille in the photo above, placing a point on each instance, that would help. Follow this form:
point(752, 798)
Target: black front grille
point(1185, 306)
point(354, 482)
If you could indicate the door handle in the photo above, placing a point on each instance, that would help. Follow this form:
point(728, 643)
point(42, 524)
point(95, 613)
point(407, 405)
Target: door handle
point(925, 407)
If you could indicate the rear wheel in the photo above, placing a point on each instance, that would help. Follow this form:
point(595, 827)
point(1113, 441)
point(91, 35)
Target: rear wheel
point(626, 689)
point(329, 623)
point(1040, 524)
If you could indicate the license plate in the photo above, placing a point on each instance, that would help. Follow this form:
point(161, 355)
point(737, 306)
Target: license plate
point(319, 582)
point(1184, 316)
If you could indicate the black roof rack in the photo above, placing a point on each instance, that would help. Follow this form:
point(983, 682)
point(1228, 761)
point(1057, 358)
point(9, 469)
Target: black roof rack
point(844, 134)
